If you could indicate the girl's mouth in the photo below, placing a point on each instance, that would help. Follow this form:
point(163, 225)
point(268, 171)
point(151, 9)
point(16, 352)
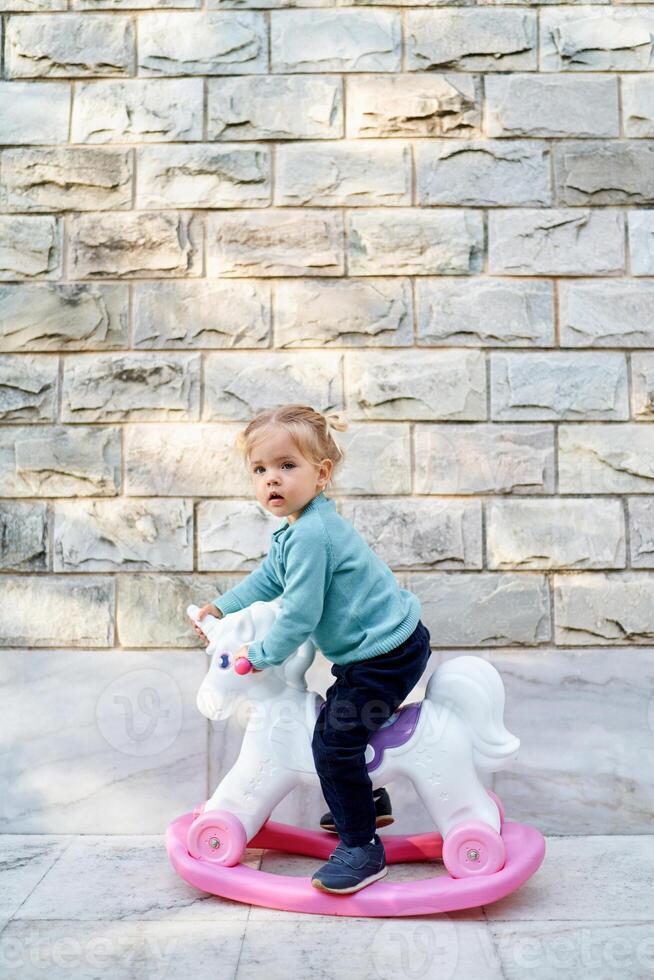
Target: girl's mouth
point(277, 499)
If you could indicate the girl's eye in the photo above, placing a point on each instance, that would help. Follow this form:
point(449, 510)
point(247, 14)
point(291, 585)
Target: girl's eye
point(257, 468)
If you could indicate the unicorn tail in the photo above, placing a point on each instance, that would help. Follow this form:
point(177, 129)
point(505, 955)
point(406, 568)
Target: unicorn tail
point(473, 688)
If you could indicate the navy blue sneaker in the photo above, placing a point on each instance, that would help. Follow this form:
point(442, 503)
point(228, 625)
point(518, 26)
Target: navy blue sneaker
point(351, 868)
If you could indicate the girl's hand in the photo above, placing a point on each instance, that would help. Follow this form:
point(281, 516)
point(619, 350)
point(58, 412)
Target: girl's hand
point(208, 610)
point(243, 652)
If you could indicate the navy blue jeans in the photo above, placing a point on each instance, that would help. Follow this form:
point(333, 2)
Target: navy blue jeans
point(364, 695)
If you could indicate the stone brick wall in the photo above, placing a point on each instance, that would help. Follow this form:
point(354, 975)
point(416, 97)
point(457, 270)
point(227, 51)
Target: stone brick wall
point(435, 218)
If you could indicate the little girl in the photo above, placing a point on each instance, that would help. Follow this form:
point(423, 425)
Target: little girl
point(337, 591)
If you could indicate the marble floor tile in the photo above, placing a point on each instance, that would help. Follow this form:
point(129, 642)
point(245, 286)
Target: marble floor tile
point(575, 950)
point(24, 860)
point(124, 878)
point(330, 948)
point(590, 878)
point(121, 950)
point(86, 908)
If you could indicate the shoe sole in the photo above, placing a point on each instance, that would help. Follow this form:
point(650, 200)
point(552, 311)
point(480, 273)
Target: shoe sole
point(354, 888)
point(381, 822)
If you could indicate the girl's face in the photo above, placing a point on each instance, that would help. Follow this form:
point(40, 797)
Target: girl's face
point(278, 468)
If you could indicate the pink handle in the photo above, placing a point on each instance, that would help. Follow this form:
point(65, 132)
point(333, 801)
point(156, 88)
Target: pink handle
point(242, 665)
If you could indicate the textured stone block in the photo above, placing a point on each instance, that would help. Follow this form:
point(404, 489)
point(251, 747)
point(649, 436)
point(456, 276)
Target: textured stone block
point(350, 174)
point(132, 4)
point(270, 107)
point(23, 536)
point(335, 40)
point(483, 172)
point(559, 385)
point(413, 241)
point(69, 178)
point(33, 5)
point(231, 43)
point(131, 387)
point(69, 46)
point(137, 110)
point(30, 247)
point(281, 242)
point(62, 316)
point(57, 461)
point(609, 313)
point(34, 112)
point(28, 388)
point(152, 608)
point(604, 607)
point(343, 313)
point(238, 386)
point(472, 609)
point(484, 312)
point(642, 380)
point(615, 172)
point(183, 460)
point(70, 611)
point(638, 104)
point(113, 535)
point(484, 458)
point(641, 531)
point(417, 385)
point(233, 535)
point(499, 39)
point(420, 533)
point(553, 242)
point(552, 105)
point(413, 105)
point(135, 245)
point(377, 459)
point(641, 241)
point(202, 314)
point(596, 38)
point(606, 458)
point(271, 4)
point(550, 533)
point(203, 176)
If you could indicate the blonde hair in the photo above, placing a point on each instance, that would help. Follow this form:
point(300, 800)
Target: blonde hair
point(309, 430)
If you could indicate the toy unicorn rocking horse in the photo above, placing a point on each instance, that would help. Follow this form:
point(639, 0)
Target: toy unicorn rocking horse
point(439, 743)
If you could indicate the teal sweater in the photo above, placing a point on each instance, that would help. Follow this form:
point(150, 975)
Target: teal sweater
point(334, 589)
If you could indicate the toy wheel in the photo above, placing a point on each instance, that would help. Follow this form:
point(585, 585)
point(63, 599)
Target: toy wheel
point(217, 836)
point(498, 803)
point(473, 848)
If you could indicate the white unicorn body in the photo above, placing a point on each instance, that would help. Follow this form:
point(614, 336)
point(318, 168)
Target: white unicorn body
point(459, 729)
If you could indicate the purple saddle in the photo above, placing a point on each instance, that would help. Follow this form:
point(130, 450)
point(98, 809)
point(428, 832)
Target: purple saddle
point(395, 731)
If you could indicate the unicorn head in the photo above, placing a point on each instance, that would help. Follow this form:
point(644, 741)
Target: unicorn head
point(223, 691)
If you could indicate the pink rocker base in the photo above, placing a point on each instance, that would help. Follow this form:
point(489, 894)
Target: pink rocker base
point(525, 849)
